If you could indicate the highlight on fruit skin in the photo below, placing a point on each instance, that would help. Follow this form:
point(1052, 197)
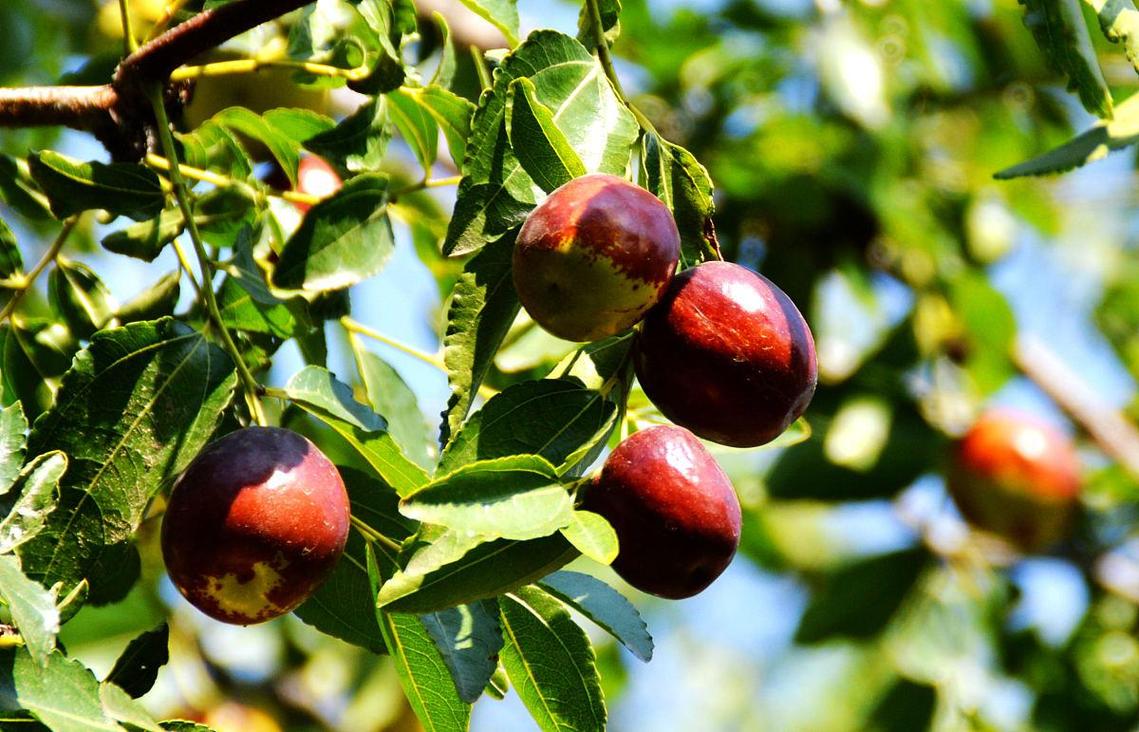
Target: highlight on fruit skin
point(676, 514)
point(254, 525)
point(594, 256)
point(728, 355)
point(1016, 476)
point(316, 177)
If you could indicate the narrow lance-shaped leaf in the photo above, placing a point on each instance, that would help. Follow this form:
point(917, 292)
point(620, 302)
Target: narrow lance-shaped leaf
point(515, 497)
point(344, 239)
point(32, 607)
point(1062, 34)
point(78, 295)
point(319, 393)
point(469, 639)
point(542, 149)
point(394, 400)
point(445, 71)
point(13, 426)
point(417, 127)
point(137, 405)
point(551, 663)
point(605, 606)
point(426, 681)
point(1107, 135)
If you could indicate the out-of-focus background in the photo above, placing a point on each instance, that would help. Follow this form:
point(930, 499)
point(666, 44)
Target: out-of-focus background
point(853, 147)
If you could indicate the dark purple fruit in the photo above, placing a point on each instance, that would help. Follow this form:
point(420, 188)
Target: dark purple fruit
point(727, 355)
point(675, 512)
point(255, 525)
point(594, 256)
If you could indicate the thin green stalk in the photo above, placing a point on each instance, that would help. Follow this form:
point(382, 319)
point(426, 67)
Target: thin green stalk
point(130, 43)
point(372, 535)
point(30, 278)
point(603, 48)
point(481, 68)
point(183, 197)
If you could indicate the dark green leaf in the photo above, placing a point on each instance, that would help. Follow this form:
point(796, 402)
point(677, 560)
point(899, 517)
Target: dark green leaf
point(137, 668)
point(483, 306)
point(359, 141)
point(78, 295)
point(553, 418)
point(457, 568)
point(11, 262)
point(157, 301)
point(610, 12)
point(515, 497)
point(550, 661)
point(1063, 35)
point(147, 239)
point(469, 639)
point(677, 178)
point(74, 186)
point(320, 394)
point(605, 606)
point(417, 127)
point(541, 148)
point(137, 405)
point(424, 675)
point(344, 239)
point(858, 600)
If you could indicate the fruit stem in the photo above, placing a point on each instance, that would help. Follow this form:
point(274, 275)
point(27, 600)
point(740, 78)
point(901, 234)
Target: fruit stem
point(372, 535)
point(130, 43)
point(25, 283)
point(253, 65)
point(603, 54)
point(181, 193)
point(427, 183)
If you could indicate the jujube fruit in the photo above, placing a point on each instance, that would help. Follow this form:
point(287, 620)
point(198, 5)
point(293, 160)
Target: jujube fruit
point(727, 355)
point(675, 512)
point(254, 525)
point(1016, 476)
point(317, 178)
point(594, 256)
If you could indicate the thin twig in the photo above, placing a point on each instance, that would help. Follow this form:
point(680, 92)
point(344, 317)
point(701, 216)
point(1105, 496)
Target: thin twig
point(30, 279)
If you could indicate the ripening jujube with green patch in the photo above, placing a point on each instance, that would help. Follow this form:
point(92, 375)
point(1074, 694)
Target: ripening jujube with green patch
point(254, 525)
point(594, 256)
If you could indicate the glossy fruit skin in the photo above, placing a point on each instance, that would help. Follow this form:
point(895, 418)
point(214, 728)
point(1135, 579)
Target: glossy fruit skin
point(316, 177)
point(594, 256)
point(1016, 476)
point(675, 512)
point(727, 355)
point(254, 525)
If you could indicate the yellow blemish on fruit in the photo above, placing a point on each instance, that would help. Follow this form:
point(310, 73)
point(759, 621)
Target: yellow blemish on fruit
point(250, 598)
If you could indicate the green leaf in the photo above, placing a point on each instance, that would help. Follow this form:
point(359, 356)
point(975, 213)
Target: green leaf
point(285, 149)
point(424, 675)
point(137, 405)
point(11, 262)
point(147, 239)
point(359, 142)
point(496, 193)
point(502, 14)
point(33, 497)
point(483, 306)
point(213, 147)
point(32, 607)
point(1107, 135)
point(64, 694)
point(516, 497)
point(1062, 34)
point(72, 186)
point(18, 191)
point(445, 71)
point(605, 606)
point(553, 418)
point(593, 536)
point(541, 148)
point(392, 398)
point(137, 668)
point(344, 606)
point(458, 568)
point(344, 239)
point(13, 429)
point(858, 600)
point(157, 301)
point(417, 127)
point(120, 706)
point(1119, 21)
point(450, 113)
point(469, 639)
point(36, 353)
point(677, 178)
point(610, 12)
point(80, 297)
point(240, 310)
point(550, 661)
point(990, 330)
point(320, 394)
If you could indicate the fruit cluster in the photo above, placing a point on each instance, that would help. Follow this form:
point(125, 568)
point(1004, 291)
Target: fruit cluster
point(722, 352)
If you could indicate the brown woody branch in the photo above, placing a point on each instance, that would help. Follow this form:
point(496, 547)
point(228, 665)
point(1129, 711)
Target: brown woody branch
point(118, 113)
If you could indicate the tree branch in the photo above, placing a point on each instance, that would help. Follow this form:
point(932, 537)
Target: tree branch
point(81, 107)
